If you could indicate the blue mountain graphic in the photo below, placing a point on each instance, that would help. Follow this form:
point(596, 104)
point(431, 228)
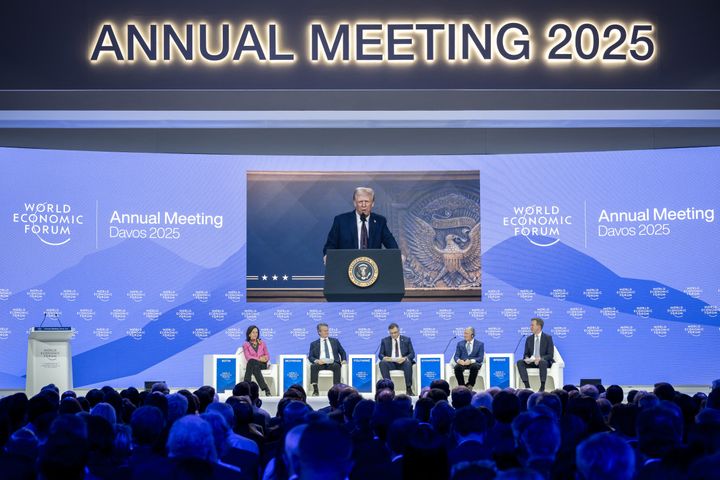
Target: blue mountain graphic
point(522, 265)
point(133, 356)
point(133, 264)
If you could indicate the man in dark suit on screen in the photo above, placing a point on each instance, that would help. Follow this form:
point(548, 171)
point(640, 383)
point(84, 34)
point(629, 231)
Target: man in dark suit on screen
point(325, 354)
point(469, 355)
point(397, 353)
point(360, 228)
point(539, 352)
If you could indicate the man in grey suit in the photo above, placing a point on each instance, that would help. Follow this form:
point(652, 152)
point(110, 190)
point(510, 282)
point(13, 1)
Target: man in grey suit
point(469, 355)
point(539, 353)
point(397, 353)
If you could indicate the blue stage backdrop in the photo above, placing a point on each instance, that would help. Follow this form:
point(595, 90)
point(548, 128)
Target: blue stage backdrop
point(145, 256)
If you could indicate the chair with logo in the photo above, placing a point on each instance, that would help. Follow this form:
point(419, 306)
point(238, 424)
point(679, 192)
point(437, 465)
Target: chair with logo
point(398, 378)
point(270, 374)
point(555, 377)
point(480, 383)
point(325, 378)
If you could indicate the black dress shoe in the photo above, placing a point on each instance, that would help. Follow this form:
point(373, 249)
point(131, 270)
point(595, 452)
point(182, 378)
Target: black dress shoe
point(409, 392)
point(268, 393)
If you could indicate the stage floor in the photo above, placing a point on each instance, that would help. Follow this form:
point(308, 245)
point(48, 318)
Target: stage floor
point(270, 403)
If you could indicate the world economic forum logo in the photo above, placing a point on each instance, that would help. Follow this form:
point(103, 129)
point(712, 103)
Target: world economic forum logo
point(626, 331)
point(592, 293)
point(593, 331)
point(540, 224)
point(135, 333)
point(299, 332)
point(494, 332)
point(429, 332)
point(413, 314)
point(283, 314)
point(559, 293)
point(348, 314)
point(19, 313)
point(201, 333)
point(494, 294)
point(168, 333)
point(315, 314)
point(103, 333)
point(234, 333)
point(560, 331)
point(364, 332)
point(694, 330)
point(52, 223)
point(5, 333)
point(526, 294)
point(70, 294)
point(86, 314)
point(119, 314)
point(660, 330)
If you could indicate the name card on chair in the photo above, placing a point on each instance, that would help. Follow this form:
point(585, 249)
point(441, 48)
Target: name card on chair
point(501, 370)
point(292, 371)
point(222, 372)
point(225, 374)
point(430, 367)
point(362, 373)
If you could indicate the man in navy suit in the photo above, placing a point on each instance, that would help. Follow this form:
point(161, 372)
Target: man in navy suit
point(400, 348)
point(325, 354)
point(469, 355)
point(360, 228)
point(539, 352)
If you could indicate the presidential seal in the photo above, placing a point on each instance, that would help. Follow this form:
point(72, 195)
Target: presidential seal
point(442, 240)
point(363, 272)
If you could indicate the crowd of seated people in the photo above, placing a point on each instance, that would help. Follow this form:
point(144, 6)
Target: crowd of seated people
point(590, 432)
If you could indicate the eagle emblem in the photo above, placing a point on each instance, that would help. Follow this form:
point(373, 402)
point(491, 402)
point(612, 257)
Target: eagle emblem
point(443, 243)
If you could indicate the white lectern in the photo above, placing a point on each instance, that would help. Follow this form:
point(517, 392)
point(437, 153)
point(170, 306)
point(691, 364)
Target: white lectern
point(49, 359)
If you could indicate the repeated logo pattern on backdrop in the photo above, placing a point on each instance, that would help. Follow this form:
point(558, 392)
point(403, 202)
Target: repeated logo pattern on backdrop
point(153, 266)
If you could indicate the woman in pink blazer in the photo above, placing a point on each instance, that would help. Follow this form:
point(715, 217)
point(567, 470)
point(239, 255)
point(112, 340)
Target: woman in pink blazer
point(257, 357)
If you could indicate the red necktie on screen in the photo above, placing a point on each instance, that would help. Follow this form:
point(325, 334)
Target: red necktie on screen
point(363, 233)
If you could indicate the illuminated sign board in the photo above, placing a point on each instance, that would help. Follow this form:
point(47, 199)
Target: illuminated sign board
point(373, 45)
point(378, 42)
